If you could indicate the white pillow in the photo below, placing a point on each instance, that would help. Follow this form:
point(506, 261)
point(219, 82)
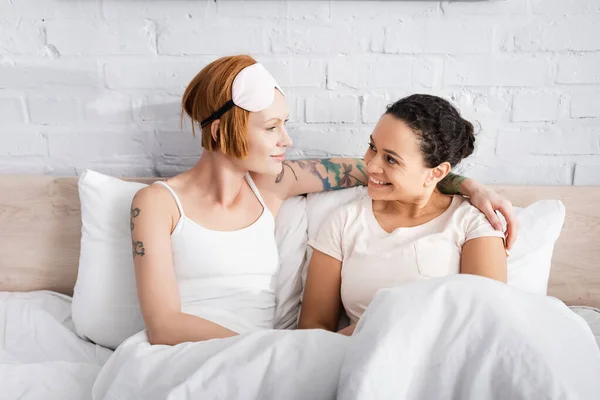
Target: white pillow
point(291, 235)
point(105, 305)
point(531, 255)
point(530, 260)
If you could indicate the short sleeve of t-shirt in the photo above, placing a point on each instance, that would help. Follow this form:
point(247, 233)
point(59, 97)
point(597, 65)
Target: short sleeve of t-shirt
point(329, 236)
point(479, 226)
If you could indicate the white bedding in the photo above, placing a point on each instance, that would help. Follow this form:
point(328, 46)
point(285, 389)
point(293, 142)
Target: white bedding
point(470, 338)
point(42, 358)
point(40, 355)
point(461, 337)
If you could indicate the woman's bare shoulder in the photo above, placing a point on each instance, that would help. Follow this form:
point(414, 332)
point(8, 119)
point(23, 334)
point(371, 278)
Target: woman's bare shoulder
point(155, 199)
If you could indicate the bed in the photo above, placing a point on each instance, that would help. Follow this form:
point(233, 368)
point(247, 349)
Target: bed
point(39, 251)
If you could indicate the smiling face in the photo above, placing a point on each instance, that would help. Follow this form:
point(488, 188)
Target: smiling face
point(395, 162)
point(267, 138)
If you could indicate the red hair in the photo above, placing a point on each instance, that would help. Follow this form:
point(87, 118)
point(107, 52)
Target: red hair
point(210, 90)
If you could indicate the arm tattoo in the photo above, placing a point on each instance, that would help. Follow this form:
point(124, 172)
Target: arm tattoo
point(333, 173)
point(137, 247)
point(280, 176)
point(339, 173)
point(451, 184)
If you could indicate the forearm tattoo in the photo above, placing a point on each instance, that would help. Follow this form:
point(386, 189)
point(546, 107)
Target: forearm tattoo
point(137, 247)
point(280, 176)
point(334, 173)
point(451, 184)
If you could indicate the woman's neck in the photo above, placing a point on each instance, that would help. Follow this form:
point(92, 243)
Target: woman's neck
point(216, 177)
point(413, 208)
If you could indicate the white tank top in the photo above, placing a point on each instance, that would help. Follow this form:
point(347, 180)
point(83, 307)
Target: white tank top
point(227, 277)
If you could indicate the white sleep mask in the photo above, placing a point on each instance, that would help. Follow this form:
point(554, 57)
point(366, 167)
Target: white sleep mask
point(252, 90)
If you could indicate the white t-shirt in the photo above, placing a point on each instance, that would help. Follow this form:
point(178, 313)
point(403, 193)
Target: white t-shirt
point(373, 259)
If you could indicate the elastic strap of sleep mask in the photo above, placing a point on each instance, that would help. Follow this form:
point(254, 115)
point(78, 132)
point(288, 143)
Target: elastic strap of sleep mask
point(217, 114)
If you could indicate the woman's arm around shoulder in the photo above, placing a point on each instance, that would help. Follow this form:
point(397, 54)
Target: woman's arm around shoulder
point(314, 175)
point(317, 175)
point(153, 215)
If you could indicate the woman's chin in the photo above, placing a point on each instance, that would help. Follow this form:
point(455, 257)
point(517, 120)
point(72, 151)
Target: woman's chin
point(268, 169)
point(377, 193)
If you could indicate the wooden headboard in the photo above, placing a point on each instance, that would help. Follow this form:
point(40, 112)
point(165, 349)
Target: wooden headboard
point(40, 231)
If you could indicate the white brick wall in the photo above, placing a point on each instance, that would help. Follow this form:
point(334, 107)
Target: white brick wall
point(332, 109)
point(97, 83)
point(533, 107)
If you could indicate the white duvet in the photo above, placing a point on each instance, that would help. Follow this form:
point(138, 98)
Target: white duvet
point(40, 355)
point(461, 337)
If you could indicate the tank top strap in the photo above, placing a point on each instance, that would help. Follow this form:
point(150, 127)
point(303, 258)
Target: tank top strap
point(255, 190)
point(170, 189)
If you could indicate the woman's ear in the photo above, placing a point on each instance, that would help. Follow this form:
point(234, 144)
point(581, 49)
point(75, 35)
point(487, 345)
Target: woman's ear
point(214, 130)
point(437, 174)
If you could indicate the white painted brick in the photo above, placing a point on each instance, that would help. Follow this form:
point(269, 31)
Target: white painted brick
point(196, 37)
point(498, 71)
point(328, 109)
point(26, 75)
point(427, 72)
point(263, 9)
point(585, 105)
point(456, 36)
point(108, 107)
point(329, 142)
point(373, 106)
point(578, 33)
point(491, 105)
point(296, 72)
point(21, 37)
point(100, 37)
point(169, 165)
point(158, 9)
point(342, 39)
point(564, 7)
point(151, 74)
point(308, 10)
point(296, 107)
point(486, 137)
point(54, 109)
point(49, 9)
point(493, 7)
point(100, 146)
point(520, 173)
point(582, 68)
point(11, 110)
point(382, 11)
point(141, 168)
point(125, 105)
point(168, 170)
point(26, 165)
point(554, 140)
point(372, 73)
point(486, 109)
point(159, 110)
point(535, 107)
point(61, 168)
point(274, 10)
point(587, 174)
point(21, 142)
point(180, 144)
